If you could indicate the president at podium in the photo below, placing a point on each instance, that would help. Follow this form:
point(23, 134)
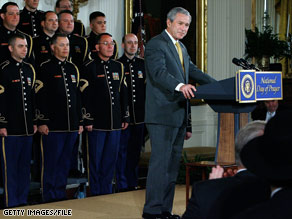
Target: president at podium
point(168, 69)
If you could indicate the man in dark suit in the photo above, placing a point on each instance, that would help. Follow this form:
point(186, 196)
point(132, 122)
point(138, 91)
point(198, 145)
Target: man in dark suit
point(267, 109)
point(168, 68)
point(269, 157)
point(206, 193)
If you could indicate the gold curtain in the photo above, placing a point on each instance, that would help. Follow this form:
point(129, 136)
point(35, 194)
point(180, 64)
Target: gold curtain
point(284, 8)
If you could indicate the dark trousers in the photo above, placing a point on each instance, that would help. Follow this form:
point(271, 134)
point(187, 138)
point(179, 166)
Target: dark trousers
point(166, 148)
point(15, 163)
point(74, 166)
point(103, 152)
point(56, 153)
point(36, 158)
point(131, 142)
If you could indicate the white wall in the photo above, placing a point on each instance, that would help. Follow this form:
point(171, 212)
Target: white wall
point(113, 9)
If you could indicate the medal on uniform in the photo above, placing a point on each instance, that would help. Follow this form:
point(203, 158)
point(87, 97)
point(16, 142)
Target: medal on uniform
point(29, 81)
point(77, 49)
point(43, 48)
point(116, 76)
point(73, 78)
point(140, 74)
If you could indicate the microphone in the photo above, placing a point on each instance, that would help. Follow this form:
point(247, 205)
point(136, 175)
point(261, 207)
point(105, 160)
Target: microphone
point(239, 63)
point(251, 66)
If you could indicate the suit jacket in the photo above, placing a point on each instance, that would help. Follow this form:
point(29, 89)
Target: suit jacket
point(260, 112)
point(278, 207)
point(205, 193)
point(164, 72)
point(239, 197)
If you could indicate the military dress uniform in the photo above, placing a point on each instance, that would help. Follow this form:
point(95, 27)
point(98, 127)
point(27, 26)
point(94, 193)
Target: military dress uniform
point(79, 28)
point(5, 34)
point(132, 138)
point(78, 50)
point(17, 115)
point(30, 22)
point(58, 106)
point(78, 55)
point(91, 43)
point(42, 48)
point(104, 95)
point(42, 52)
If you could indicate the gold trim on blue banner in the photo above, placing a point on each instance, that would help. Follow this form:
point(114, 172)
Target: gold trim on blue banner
point(249, 90)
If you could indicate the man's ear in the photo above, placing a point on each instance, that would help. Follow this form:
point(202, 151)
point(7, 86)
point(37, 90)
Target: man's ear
point(123, 45)
point(97, 47)
point(10, 48)
point(2, 16)
point(52, 47)
point(168, 22)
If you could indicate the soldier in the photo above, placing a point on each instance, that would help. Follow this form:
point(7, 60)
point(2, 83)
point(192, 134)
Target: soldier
point(62, 5)
point(132, 138)
point(105, 113)
point(98, 25)
point(78, 45)
point(17, 121)
point(10, 16)
point(30, 18)
point(78, 55)
point(59, 117)
point(42, 52)
point(41, 48)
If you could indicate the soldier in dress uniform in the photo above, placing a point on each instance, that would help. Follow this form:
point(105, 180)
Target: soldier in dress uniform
point(41, 48)
point(42, 52)
point(97, 21)
point(105, 113)
point(132, 138)
point(10, 16)
point(17, 121)
point(78, 55)
point(59, 117)
point(30, 18)
point(62, 5)
point(78, 45)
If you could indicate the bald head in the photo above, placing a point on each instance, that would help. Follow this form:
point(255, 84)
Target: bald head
point(130, 45)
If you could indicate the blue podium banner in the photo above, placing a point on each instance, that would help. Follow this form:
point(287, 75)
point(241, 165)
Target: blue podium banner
point(269, 85)
point(252, 86)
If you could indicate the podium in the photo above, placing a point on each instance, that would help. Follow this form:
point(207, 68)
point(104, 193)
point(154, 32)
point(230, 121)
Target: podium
point(221, 97)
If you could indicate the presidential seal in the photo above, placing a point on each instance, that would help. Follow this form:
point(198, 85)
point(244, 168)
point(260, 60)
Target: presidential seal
point(247, 86)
